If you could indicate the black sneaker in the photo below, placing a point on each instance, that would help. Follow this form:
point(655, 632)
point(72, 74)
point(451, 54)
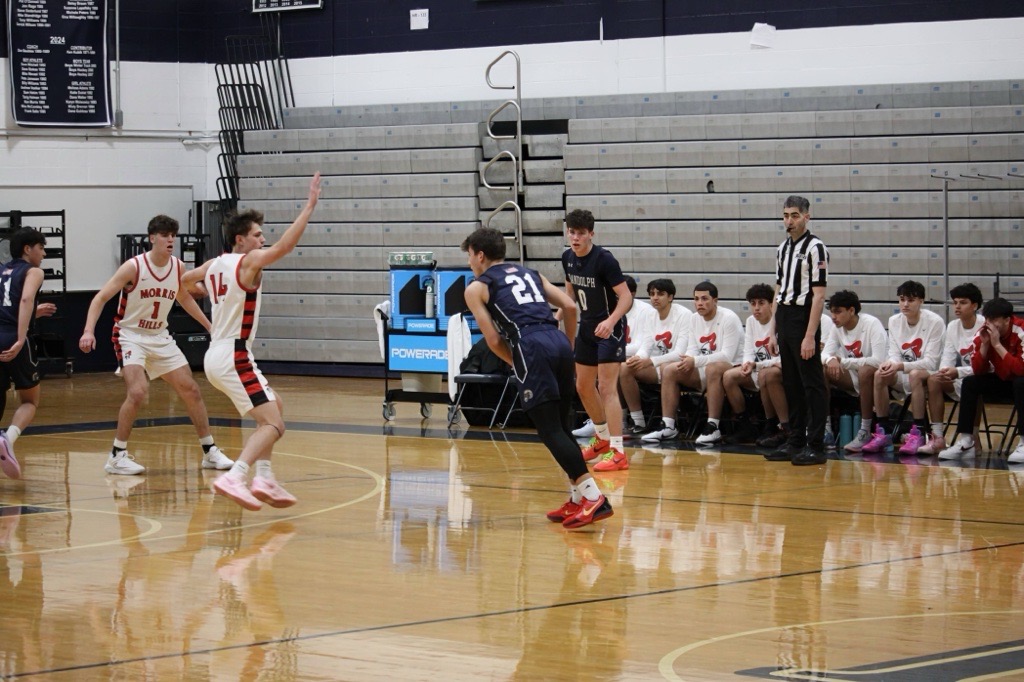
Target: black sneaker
point(785, 453)
point(774, 440)
point(809, 457)
point(634, 431)
point(745, 432)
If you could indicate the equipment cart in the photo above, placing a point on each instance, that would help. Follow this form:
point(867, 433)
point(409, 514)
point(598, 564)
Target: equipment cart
point(422, 359)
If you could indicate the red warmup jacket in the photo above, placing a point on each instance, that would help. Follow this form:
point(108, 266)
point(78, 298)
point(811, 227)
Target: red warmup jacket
point(1010, 365)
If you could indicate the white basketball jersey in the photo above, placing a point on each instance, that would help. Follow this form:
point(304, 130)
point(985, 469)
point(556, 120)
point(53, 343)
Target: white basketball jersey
point(143, 307)
point(236, 309)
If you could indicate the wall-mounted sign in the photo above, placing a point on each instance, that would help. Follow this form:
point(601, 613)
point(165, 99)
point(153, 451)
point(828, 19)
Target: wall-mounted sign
point(58, 58)
point(282, 5)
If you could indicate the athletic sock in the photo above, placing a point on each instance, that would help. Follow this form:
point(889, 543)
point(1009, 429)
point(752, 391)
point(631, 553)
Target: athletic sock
point(588, 489)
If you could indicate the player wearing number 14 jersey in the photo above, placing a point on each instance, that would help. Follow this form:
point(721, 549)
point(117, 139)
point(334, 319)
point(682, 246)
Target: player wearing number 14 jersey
point(233, 281)
point(512, 306)
point(149, 284)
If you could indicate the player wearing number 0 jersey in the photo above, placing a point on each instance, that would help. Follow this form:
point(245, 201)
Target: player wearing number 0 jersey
point(150, 283)
point(512, 305)
point(594, 278)
point(233, 281)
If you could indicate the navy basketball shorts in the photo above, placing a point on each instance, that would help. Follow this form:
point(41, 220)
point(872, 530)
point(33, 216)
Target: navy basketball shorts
point(23, 370)
point(544, 367)
point(592, 351)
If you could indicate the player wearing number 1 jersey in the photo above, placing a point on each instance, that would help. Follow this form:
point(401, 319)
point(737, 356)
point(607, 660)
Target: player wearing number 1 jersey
point(511, 304)
point(149, 284)
point(233, 281)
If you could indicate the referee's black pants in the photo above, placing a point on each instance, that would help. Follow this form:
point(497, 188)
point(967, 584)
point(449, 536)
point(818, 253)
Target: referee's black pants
point(803, 380)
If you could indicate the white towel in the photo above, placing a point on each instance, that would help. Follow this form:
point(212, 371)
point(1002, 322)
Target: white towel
point(459, 343)
point(381, 313)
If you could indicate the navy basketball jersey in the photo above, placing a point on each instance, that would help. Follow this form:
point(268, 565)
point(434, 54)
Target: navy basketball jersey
point(593, 278)
point(516, 300)
point(12, 280)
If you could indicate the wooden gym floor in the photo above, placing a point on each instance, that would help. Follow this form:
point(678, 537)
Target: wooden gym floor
point(419, 554)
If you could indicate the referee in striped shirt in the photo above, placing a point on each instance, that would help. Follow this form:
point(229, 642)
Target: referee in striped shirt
point(802, 273)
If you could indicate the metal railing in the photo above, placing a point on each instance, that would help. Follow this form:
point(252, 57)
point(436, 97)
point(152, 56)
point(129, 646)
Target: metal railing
point(516, 157)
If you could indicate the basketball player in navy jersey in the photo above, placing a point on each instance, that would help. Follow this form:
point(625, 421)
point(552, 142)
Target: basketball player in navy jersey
point(594, 277)
point(511, 304)
point(20, 280)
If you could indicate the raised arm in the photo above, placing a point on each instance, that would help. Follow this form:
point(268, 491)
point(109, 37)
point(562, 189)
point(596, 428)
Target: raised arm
point(257, 260)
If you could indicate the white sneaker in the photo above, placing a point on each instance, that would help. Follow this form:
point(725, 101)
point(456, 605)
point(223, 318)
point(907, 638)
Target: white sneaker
point(1018, 454)
point(963, 447)
point(859, 441)
point(123, 464)
point(585, 431)
point(215, 459)
point(709, 436)
point(660, 435)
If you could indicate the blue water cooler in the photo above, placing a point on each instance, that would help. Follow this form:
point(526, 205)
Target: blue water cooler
point(451, 289)
point(409, 293)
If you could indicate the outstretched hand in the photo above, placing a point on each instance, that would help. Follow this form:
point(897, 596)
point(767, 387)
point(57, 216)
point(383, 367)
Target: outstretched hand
point(314, 189)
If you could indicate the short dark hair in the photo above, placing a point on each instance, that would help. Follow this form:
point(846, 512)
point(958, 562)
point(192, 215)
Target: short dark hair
point(708, 287)
point(578, 218)
point(23, 238)
point(798, 202)
point(239, 224)
point(630, 284)
point(162, 224)
point(997, 307)
point(663, 284)
point(486, 240)
point(762, 292)
point(845, 299)
point(968, 290)
point(911, 289)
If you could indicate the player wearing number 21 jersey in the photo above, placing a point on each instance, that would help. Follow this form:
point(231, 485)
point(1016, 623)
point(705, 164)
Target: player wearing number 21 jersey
point(150, 283)
point(512, 304)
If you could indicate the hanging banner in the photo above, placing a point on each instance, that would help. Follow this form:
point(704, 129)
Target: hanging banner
point(283, 5)
point(58, 56)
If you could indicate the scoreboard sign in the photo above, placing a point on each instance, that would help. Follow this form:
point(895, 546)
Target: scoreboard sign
point(282, 5)
point(59, 65)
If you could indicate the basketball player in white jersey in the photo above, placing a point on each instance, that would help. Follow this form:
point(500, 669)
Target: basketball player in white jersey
point(233, 281)
point(150, 283)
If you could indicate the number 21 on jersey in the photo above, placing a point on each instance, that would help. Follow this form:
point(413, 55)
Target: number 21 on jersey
point(519, 286)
